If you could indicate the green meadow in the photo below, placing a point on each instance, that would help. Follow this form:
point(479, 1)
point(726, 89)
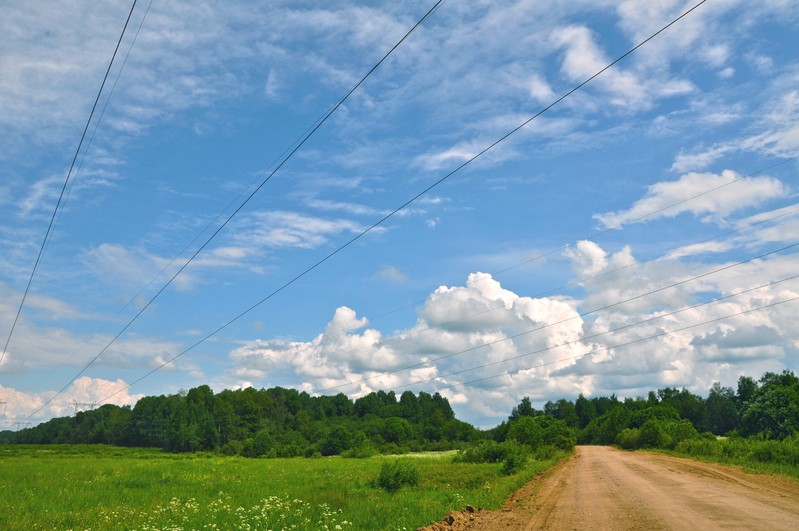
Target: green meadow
point(102, 487)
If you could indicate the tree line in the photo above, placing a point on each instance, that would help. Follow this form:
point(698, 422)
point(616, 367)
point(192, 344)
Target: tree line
point(275, 422)
point(282, 422)
point(766, 409)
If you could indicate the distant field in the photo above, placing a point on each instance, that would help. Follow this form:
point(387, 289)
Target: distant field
point(100, 487)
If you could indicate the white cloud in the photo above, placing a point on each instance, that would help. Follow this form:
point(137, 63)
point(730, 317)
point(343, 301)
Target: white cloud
point(698, 161)
point(462, 341)
point(778, 134)
point(478, 317)
point(449, 158)
point(280, 229)
point(541, 91)
point(730, 193)
point(716, 55)
point(135, 267)
point(781, 124)
point(37, 341)
point(583, 58)
point(392, 274)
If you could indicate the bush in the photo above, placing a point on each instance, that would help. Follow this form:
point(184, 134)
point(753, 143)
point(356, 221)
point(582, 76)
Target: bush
point(233, 447)
point(652, 435)
point(489, 452)
point(393, 476)
point(678, 431)
point(628, 438)
point(513, 462)
point(361, 452)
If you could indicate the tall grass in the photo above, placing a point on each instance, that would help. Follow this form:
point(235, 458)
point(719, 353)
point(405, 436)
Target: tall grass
point(754, 454)
point(74, 487)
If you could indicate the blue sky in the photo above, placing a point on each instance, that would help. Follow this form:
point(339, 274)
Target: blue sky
point(678, 162)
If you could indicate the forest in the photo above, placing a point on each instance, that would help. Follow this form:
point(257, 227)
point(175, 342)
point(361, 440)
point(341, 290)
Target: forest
point(281, 422)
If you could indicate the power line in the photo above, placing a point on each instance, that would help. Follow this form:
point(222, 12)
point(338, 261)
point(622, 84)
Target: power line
point(640, 340)
point(414, 198)
point(304, 139)
point(80, 166)
point(48, 233)
point(105, 106)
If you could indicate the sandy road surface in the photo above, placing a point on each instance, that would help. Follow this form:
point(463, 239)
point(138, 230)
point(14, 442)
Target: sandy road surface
point(604, 488)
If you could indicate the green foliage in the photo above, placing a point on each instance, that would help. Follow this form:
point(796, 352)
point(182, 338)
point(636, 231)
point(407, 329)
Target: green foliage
point(511, 454)
point(652, 435)
point(605, 428)
point(773, 409)
point(394, 476)
point(273, 422)
point(751, 451)
point(628, 438)
point(666, 418)
point(524, 409)
point(534, 432)
point(486, 452)
point(513, 462)
point(722, 409)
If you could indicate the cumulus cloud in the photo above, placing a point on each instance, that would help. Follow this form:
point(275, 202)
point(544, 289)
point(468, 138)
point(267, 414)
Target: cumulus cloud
point(459, 329)
point(731, 192)
point(486, 346)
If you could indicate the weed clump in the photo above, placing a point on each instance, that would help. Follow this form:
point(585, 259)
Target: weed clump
point(393, 476)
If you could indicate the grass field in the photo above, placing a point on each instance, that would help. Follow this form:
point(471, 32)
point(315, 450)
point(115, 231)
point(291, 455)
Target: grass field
point(96, 487)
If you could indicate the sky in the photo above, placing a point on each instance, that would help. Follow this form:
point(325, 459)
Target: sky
point(639, 234)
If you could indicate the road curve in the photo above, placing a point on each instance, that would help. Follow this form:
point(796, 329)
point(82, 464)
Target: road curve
point(604, 488)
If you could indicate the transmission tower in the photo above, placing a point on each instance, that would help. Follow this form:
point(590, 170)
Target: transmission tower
point(22, 424)
point(82, 406)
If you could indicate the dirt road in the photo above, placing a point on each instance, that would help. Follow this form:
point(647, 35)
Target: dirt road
point(604, 488)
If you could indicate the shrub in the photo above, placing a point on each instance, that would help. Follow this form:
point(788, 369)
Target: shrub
point(513, 462)
point(652, 435)
point(232, 447)
point(490, 452)
point(393, 476)
point(361, 452)
point(678, 431)
point(546, 451)
point(628, 438)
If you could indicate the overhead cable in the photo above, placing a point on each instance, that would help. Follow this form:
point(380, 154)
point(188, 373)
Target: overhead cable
point(48, 233)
